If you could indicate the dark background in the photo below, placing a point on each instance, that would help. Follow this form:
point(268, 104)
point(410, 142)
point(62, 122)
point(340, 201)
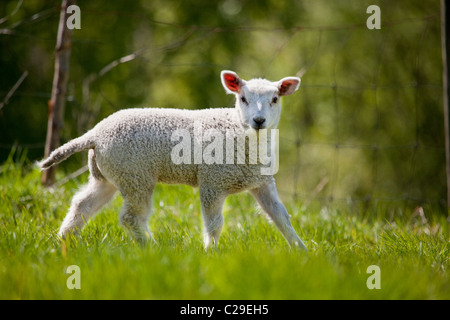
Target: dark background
point(365, 127)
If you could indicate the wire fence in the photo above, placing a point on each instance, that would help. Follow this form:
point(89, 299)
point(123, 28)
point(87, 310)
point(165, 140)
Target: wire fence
point(369, 140)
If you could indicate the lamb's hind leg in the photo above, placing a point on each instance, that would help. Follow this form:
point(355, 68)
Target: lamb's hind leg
point(134, 216)
point(85, 204)
point(267, 197)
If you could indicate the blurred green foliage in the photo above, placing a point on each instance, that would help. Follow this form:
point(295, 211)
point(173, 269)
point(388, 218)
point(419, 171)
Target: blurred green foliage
point(366, 124)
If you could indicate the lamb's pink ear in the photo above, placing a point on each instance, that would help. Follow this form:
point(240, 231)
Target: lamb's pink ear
point(287, 86)
point(231, 81)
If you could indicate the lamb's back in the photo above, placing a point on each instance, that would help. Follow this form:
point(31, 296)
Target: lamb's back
point(137, 142)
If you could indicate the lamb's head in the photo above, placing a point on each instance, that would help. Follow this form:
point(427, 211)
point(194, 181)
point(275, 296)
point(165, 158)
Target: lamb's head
point(258, 100)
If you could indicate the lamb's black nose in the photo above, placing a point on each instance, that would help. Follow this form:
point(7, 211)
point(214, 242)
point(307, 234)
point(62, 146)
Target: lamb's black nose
point(259, 120)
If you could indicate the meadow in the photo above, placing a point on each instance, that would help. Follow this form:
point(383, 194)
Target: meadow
point(252, 261)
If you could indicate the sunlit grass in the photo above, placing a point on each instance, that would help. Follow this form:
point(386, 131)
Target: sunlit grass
point(252, 260)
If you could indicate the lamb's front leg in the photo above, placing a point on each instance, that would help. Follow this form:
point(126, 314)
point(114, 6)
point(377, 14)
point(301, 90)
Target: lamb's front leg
point(267, 197)
point(212, 204)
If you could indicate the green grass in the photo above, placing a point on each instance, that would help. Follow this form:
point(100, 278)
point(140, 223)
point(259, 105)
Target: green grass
point(252, 260)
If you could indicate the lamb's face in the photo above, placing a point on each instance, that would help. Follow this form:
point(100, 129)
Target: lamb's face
point(258, 100)
point(259, 105)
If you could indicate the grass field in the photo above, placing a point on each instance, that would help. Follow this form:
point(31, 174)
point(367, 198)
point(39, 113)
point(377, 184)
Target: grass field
point(252, 260)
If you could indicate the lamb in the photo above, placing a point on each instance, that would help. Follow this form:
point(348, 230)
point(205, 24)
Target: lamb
point(134, 149)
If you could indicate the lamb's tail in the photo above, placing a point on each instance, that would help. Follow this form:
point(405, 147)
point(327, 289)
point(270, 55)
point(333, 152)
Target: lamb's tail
point(73, 146)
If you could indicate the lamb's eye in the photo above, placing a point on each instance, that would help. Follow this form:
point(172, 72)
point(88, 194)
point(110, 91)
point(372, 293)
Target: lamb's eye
point(274, 99)
point(244, 100)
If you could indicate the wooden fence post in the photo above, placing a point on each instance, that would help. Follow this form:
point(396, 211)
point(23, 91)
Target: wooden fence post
point(59, 88)
point(445, 32)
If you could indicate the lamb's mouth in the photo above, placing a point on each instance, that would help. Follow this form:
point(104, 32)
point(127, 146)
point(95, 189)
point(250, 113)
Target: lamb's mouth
point(254, 126)
point(257, 127)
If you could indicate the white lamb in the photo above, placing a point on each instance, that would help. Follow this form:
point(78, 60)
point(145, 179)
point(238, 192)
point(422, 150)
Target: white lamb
point(133, 149)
